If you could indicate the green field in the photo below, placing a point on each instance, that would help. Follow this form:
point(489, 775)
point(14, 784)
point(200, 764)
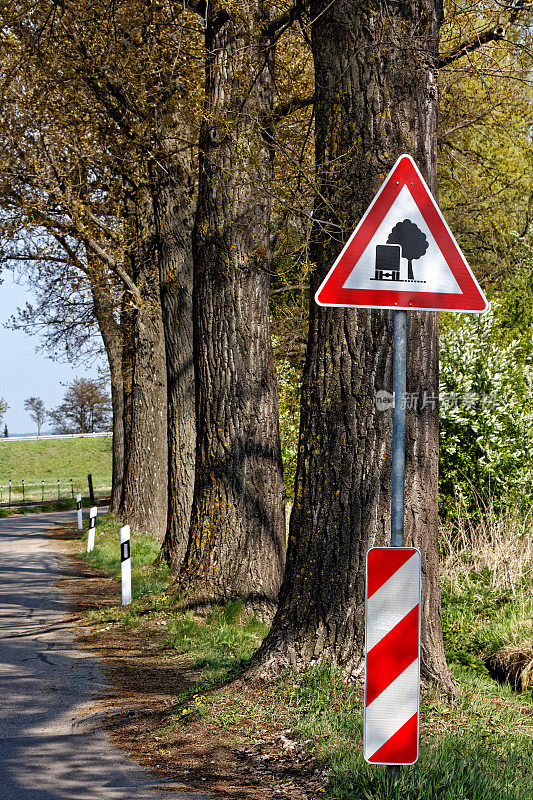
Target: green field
point(53, 460)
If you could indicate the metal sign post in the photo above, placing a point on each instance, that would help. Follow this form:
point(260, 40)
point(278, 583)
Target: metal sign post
point(392, 609)
point(399, 388)
point(399, 382)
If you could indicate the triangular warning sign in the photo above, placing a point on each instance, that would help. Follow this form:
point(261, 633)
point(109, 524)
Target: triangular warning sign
point(402, 255)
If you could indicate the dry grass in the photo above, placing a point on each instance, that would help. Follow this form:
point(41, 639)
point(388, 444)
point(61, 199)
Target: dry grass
point(516, 663)
point(488, 563)
point(501, 542)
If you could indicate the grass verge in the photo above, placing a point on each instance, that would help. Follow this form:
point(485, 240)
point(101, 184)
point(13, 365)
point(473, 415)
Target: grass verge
point(147, 576)
point(302, 737)
point(475, 748)
point(487, 595)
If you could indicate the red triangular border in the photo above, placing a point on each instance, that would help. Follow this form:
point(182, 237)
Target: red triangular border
point(332, 291)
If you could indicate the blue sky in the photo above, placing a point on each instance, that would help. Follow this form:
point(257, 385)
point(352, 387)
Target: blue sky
point(24, 372)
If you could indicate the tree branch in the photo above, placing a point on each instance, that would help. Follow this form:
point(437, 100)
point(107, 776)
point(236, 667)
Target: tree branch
point(59, 229)
point(493, 34)
point(97, 79)
point(198, 6)
point(62, 240)
point(114, 265)
point(92, 68)
point(286, 19)
point(529, 218)
point(284, 109)
point(469, 45)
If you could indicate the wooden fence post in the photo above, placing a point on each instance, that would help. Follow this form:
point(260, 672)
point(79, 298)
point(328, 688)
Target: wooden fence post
point(91, 490)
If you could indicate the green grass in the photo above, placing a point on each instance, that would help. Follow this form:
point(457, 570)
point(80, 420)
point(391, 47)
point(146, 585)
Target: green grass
point(51, 460)
point(220, 645)
point(147, 578)
point(476, 747)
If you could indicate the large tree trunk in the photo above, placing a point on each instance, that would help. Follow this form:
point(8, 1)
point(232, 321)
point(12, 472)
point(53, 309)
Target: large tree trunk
point(104, 310)
point(144, 499)
point(126, 314)
point(173, 196)
point(376, 97)
point(237, 541)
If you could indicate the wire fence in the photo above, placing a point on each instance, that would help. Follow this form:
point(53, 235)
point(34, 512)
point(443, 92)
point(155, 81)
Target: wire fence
point(25, 493)
point(47, 436)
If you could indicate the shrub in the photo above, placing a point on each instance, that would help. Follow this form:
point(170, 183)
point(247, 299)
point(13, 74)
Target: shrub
point(486, 414)
point(289, 421)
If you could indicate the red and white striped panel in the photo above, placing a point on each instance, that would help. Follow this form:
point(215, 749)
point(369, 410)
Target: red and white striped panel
point(392, 652)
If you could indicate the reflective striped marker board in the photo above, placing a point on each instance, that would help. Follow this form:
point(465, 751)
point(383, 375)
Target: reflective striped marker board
point(78, 506)
point(392, 655)
point(92, 526)
point(125, 564)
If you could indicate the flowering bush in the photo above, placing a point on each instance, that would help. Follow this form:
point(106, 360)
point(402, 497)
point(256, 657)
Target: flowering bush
point(486, 413)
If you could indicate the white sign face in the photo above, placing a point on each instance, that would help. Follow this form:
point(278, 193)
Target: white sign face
point(430, 271)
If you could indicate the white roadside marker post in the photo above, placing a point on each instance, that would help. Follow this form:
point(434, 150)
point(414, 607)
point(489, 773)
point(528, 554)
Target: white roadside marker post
point(125, 564)
point(78, 504)
point(92, 524)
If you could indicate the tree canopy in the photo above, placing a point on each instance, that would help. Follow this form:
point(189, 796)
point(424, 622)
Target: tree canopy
point(85, 409)
point(37, 411)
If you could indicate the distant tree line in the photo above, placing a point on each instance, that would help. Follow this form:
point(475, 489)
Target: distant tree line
point(86, 408)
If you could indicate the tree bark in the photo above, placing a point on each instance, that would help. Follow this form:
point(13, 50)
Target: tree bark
point(237, 541)
point(104, 311)
point(144, 499)
point(173, 193)
point(126, 314)
point(376, 98)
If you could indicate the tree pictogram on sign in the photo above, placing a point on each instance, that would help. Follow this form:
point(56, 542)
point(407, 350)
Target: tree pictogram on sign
point(412, 241)
point(402, 225)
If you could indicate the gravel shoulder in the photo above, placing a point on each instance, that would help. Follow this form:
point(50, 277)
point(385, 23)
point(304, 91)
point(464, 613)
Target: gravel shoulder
point(234, 743)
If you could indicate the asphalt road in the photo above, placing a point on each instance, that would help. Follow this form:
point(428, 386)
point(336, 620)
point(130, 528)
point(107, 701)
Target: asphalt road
point(50, 749)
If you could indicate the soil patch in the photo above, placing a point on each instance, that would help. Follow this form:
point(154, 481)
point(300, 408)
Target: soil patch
point(234, 742)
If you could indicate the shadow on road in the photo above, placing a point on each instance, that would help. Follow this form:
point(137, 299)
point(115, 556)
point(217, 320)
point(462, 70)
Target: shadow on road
point(47, 751)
